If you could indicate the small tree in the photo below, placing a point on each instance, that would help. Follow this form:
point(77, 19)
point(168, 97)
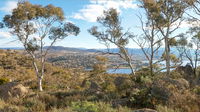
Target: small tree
point(190, 49)
point(113, 34)
point(100, 66)
point(32, 25)
point(193, 49)
point(150, 41)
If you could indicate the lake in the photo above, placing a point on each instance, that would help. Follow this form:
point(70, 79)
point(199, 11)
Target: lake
point(119, 71)
point(128, 71)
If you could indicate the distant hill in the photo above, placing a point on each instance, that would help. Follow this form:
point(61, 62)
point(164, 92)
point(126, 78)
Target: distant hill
point(135, 51)
point(61, 48)
point(13, 48)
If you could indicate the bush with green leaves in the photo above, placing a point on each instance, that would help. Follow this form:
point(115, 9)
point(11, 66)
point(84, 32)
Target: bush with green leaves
point(3, 80)
point(34, 105)
point(196, 90)
point(84, 106)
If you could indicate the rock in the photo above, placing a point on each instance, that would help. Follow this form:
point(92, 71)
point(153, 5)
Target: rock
point(165, 88)
point(187, 70)
point(145, 110)
point(12, 89)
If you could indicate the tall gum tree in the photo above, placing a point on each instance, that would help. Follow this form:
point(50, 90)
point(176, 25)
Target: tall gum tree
point(33, 25)
point(167, 16)
point(112, 34)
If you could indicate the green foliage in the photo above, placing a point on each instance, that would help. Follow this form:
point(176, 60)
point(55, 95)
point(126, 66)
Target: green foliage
point(109, 88)
point(49, 100)
point(173, 57)
point(143, 77)
point(4, 80)
point(113, 32)
point(61, 110)
point(172, 42)
point(84, 106)
point(142, 98)
point(100, 66)
point(197, 90)
point(159, 13)
point(34, 105)
point(104, 107)
point(96, 107)
point(32, 12)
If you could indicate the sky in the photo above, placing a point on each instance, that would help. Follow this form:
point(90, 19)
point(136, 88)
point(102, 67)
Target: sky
point(82, 13)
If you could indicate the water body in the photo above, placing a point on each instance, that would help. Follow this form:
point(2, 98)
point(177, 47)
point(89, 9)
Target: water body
point(119, 71)
point(128, 71)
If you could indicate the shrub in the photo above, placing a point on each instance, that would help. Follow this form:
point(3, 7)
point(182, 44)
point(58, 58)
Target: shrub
point(123, 109)
point(103, 107)
point(49, 100)
point(34, 105)
point(62, 110)
point(96, 107)
point(196, 90)
point(4, 80)
point(5, 107)
point(84, 106)
point(142, 98)
point(143, 78)
point(161, 108)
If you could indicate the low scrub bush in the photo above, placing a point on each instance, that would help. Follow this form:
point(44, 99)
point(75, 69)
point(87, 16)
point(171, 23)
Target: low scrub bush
point(34, 105)
point(84, 106)
point(161, 108)
point(4, 80)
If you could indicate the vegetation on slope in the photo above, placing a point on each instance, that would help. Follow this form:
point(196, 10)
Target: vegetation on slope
point(96, 91)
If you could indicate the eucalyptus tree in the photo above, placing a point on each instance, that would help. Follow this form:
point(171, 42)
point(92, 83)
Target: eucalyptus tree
point(111, 33)
point(167, 16)
point(35, 26)
point(150, 41)
point(188, 46)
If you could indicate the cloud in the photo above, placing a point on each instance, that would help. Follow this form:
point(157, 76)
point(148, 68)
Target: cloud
point(186, 24)
point(4, 34)
point(96, 7)
point(9, 6)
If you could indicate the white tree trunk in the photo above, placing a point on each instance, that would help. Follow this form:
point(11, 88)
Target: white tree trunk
point(128, 59)
point(167, 54)
point(40, 84)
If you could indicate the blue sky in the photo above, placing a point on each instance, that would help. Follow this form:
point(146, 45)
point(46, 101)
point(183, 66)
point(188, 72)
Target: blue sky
point(83, 13)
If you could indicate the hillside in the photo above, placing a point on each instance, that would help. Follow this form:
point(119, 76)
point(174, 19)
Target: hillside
point(18, 68)
point(71, 90)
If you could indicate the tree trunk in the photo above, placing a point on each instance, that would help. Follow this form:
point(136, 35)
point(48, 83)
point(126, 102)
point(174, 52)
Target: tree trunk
point(151, 66)
point(195, 63)
point(167, 56)
point(128, 59)
point(40, 84)
point(132, 69)
point(151, 58)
